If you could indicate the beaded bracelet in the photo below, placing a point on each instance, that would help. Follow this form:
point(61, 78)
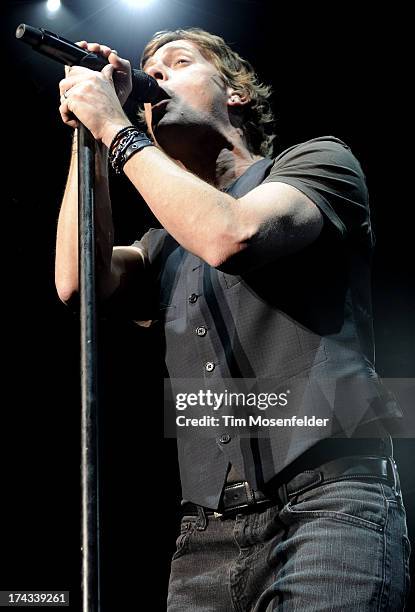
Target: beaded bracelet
point(125, 144)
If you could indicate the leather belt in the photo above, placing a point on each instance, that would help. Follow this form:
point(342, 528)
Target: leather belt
point(240, 497)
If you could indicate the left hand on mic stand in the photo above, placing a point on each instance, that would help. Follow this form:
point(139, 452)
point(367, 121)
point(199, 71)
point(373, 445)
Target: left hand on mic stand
point(93, 97)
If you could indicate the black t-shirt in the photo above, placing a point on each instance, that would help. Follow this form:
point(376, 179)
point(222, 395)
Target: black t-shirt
point(326, 171)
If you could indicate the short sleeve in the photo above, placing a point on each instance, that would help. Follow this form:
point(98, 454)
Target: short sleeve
point(327, 172)
point(152, 244)
point(138, 301)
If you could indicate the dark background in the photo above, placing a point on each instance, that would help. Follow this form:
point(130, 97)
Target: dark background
point(334, 73)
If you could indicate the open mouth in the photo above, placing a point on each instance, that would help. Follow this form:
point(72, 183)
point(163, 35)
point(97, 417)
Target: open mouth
point(158, 111)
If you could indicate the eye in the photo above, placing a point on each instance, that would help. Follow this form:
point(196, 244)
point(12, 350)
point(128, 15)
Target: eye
point(181, 60)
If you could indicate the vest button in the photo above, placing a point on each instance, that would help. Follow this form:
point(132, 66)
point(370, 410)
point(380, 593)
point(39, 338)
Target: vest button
point(193, 298)
point(209, 366)
point(225, 438)
point(201, 331)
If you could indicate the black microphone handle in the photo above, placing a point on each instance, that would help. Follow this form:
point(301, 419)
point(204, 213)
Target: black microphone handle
point(144, 87)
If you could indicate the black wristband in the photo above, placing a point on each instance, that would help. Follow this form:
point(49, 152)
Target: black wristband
point(123, 132)
point(124, 145)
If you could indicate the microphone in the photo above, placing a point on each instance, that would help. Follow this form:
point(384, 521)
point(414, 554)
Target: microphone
point(145, 88)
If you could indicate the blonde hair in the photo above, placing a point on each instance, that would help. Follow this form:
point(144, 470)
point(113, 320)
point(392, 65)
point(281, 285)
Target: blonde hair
point(255, 118)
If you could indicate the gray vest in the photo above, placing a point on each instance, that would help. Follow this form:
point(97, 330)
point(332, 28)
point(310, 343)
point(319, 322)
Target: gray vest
point(300, 324)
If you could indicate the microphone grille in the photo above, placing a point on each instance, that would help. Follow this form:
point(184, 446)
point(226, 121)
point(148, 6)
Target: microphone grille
point(145, 87)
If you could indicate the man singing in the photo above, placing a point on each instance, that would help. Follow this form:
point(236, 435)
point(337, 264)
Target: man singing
point(261, 272)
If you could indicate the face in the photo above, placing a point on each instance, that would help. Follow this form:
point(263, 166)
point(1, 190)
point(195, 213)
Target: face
point(197, 97)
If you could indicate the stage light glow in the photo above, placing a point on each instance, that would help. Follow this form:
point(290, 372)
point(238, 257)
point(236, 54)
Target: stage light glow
point(53, 5)
point(138, 3)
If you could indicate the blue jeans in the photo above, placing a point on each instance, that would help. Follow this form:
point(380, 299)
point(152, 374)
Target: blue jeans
point(336, 547)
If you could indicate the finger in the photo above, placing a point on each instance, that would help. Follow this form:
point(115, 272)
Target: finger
point(67, 117)
point(71, 71)
point(66, 84)
point(105, 51)
point(82, 43)
point(63, 85)
point(94, 47)
point(119, 63)
point(77, 75)
point(64, 97)
point(108, 71)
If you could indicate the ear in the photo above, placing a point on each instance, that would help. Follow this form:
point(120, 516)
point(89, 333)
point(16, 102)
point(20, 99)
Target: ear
point(236, 98)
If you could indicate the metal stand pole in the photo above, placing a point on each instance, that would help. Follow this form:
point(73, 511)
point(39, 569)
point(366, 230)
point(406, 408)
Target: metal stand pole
point(89, 419)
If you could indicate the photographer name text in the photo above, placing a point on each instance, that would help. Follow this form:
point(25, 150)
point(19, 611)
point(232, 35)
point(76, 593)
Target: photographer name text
point(250, 421)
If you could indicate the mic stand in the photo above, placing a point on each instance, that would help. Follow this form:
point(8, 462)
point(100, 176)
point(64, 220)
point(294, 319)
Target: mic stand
point(90, 532)
point(145, 89)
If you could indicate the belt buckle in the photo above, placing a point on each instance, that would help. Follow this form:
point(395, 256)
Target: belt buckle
point(237, 496)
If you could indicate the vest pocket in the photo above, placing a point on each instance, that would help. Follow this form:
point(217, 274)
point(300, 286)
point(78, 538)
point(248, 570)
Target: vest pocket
point(168, 312)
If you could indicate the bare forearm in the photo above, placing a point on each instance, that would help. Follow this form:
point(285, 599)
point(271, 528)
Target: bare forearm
point(66, 265)
point(201, 218)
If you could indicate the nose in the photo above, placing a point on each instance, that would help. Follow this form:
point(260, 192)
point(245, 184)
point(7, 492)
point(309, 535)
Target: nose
point(158, 72)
